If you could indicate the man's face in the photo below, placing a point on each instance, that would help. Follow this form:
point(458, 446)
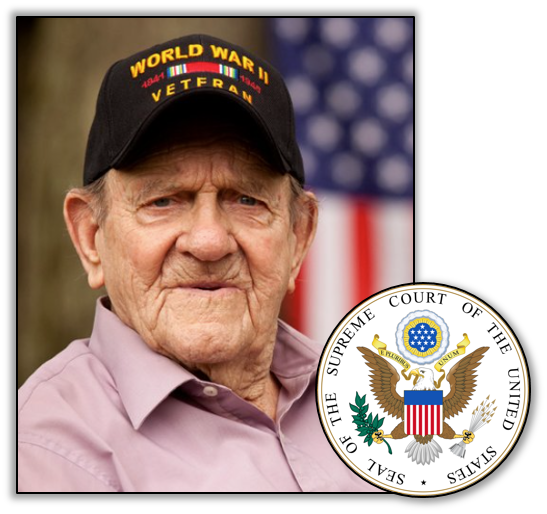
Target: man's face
point(198, 249)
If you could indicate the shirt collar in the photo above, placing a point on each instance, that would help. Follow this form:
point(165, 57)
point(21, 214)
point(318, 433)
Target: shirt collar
point(144, 378)
point(294, 354)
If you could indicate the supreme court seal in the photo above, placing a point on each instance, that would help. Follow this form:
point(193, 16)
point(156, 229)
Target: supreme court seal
point(423, 389)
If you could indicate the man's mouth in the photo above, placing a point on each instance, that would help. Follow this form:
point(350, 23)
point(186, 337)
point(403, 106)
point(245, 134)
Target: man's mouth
point(209, 287)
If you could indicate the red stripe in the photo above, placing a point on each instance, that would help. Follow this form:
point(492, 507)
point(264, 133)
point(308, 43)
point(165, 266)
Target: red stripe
point(410, 419)
point(195, 67)
point(407, 420)
point(363, 237)
point(420, 419)
point(414, 419)
point(438, 419)
point(294, 305)
point(427, 431)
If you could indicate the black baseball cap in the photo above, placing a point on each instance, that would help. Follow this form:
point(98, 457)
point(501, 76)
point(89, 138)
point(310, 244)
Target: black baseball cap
point(137, 90)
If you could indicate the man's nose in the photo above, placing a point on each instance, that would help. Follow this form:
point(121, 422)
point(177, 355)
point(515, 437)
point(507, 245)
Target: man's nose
point(209, 233)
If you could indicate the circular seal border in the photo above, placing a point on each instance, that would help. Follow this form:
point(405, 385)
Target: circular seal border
point(342, 325)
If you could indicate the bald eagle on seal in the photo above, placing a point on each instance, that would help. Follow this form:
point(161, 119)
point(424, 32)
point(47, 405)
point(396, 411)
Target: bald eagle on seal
point(384, 378)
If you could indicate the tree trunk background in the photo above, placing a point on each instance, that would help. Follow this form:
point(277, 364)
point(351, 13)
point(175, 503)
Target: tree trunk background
point(60, 66)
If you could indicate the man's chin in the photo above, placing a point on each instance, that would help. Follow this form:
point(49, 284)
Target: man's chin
point(207, 342)
point(191, 306)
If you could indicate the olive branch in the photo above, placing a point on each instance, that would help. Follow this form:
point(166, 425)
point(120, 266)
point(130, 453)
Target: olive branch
point(367, 427)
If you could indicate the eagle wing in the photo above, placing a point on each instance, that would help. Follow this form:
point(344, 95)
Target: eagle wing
point(462, 383)
point(383, 381)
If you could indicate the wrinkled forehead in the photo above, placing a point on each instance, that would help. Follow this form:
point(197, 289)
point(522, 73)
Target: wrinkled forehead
point(221, 160)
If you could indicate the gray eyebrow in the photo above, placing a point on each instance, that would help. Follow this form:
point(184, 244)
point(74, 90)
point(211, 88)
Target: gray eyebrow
point(152, 186)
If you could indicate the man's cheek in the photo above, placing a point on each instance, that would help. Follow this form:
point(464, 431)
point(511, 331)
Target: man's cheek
point(142, 259)
point(270, 279)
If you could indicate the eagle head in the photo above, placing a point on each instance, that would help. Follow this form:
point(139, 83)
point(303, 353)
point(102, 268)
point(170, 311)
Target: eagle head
point(424, 380)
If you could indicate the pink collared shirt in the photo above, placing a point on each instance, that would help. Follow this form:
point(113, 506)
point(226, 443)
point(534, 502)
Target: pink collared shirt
point(108, 414)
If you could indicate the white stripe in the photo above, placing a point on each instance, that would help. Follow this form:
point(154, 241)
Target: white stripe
point(328, 287)
point(393, 226)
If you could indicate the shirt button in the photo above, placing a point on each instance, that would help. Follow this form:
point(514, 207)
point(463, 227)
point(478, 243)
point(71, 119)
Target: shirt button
point(210, 391)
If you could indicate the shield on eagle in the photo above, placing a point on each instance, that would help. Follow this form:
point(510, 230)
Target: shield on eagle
point(423, 412)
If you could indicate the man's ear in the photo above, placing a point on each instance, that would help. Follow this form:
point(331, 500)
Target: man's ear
point(83, 227)
point(304, 227)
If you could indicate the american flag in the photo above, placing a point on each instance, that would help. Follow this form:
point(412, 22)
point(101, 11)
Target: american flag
point(351, 81)
point(424, 412)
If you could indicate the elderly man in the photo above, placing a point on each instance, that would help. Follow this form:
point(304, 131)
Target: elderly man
point(194, 218)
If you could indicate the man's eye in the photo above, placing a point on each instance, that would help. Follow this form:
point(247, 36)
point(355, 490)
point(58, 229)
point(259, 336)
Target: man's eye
point(247, 200)
point(162, 202)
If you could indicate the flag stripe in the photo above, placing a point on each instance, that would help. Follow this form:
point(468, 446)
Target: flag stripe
point(327, 285)
point(393, 243)
point(423, 419)
point(408, 428)
point(364, 253)
point(297, 299)
point(438, 419)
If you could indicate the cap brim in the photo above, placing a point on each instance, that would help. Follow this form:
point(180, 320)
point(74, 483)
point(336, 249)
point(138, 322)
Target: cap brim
point(133, 147)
